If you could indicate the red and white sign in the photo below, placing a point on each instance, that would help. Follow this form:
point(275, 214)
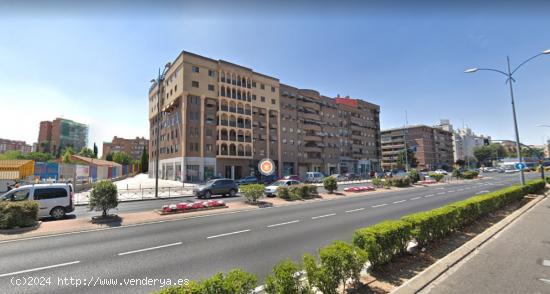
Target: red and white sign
point(266, 167)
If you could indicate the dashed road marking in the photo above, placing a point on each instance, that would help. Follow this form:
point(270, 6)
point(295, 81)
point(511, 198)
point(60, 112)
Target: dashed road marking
point(285, 223)
point(39, 268)
point(355, 210)
point(150, 248)
point(482, 192)
point(451, 191)
point(416, 198)
point(546, 262)
point(227, 234)
point(400, 201)
point(441, 193)
point(431, 195)
point(379, 205)
point(322, 216)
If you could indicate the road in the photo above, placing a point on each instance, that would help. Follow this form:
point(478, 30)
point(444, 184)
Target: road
point(198, 247)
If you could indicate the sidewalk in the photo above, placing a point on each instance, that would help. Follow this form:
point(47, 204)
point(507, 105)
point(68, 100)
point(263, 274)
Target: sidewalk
point(516, 260)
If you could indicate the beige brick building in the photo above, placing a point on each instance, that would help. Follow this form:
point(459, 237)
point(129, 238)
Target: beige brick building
point(132, 147)
point(219, 118)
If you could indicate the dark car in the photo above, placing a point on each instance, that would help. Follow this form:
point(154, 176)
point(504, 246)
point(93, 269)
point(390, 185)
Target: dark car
point(266, 180)
point(222, 187)
point(247, 180)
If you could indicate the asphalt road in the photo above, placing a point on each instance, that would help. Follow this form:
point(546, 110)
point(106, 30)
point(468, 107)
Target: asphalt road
point(199, 247)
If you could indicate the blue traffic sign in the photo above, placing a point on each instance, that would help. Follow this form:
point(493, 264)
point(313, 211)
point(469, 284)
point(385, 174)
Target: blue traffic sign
point(520, 166)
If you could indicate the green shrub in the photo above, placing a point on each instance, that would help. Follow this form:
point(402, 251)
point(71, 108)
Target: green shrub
point(330, 184)
point(469, 175)
point(377, 182)
point(253, 192)
point(18, 214)
point(432, 224)
point(383, 241)
point(437, 177)
point(191, 287)
point(284, 280)
point(457, 173)
point(283, 193)
point(548, 180)
point(413, 176)
point(339, 262)
point(399, 182)
point(296, 192)
point(104, 196)
point(235, 282)
point(312, 191)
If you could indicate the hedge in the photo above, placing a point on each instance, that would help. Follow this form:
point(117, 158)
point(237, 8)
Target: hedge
point(383, 241)
point(252, 192)
point(469, 175)
point(399, 181)
point(18, 214)
point(298, 192)
point(437, 177)
point(330, 184)
point(235, 282)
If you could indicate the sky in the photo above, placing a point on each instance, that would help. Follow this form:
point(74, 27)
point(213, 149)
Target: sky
point(92, 61)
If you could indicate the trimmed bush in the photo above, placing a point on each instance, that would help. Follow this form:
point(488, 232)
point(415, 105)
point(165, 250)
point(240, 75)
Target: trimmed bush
point(413, 176)
point(457, 173)
point(330, 184)
point(399, 182)
point(437, 177)
point(253, 192)
point(15, 214)
point(339, 262)
point(468, 175)
point(284, 280)
point(104, 196)
point(312, 190)
point(283, 193)
point(432, 224)
point(235, 282)
point(383, 241)
point(377, 182)
point(304, 191)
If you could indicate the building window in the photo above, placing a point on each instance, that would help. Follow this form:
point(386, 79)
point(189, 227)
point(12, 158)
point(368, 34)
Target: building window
point(273, 89)
point(254, 84)
point(211, 73)
point(262, 86)
point(195, 69)
point(262, 98)
point(272, 101)
point(208, 147)
point(210, 87)
point(195, 84)
point(254, 97)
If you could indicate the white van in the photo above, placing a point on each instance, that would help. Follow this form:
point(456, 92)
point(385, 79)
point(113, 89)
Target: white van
point(54, 200)
point(314, 177)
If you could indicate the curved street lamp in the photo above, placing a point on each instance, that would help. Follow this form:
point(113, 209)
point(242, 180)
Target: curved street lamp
point(158, 82)
point(509, 79)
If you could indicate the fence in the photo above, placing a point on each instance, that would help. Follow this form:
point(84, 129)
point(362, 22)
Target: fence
point(81, 173)
point(141, 194)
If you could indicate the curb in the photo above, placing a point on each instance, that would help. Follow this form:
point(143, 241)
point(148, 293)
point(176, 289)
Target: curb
point(145, 199)
point(427, 276)
point(16, 231)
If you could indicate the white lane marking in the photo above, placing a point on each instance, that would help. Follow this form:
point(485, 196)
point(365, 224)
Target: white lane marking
point(460, 190)
point(451, 191)
point(441, 193)
point(380, 205)
point(545, 281)
point(322, 216)
point(431, 195)
point(150, 248)
point(399, 201)
point(285, 223)
point(482, 192)
point(227, 234)
point(546, 262)
point(354, 210)
point(39, 268)
point(415, 198)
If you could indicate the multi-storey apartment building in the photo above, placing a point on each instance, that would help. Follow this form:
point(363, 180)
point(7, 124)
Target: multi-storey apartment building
point(464, 141)
point(132, 147)
point(219, 118)
point(56, 135)
point(13, 145)
point(433, 146)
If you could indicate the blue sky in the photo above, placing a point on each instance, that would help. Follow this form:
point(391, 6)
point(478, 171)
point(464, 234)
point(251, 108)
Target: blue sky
point(93, 63)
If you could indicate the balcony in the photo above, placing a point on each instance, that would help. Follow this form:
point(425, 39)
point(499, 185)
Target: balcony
point(310, 116)
point(312, 139)
point(311, 127)
point(313, 149)
point(311, 105)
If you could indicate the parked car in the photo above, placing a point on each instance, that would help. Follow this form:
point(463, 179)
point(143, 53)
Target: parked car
point(266, 180)
point(314, 177)
point(352, 176)
point(271, 190)
point(247, 180)
point(54, 200)
point(339, 177)
point(441, 171)
point(221, 187)
point(292, 177)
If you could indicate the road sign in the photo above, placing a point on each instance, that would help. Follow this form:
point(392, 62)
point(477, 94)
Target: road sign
point(520, 166)
point(266, 167)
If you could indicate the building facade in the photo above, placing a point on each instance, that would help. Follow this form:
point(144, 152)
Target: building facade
point(13, 145)
point(464, 141)
point(432, 146)
point(56, 135)
point(132, 147)
point(219, 118)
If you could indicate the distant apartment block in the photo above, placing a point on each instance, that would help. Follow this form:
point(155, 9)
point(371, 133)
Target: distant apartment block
point(13, 145)
point(433, 146)
point(132, 147)
point(220, 118)
point(464, 141)
point(60, 133)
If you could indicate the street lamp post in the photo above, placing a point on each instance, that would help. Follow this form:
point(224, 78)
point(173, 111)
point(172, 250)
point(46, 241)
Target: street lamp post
point(158, 82)
point(509, 79)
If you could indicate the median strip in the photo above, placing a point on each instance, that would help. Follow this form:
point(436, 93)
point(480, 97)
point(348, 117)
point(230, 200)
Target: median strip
point(285, 223)
point(354, 210)
point(227, 234)
point(150, 248)
point(380, 205)
point(39, 268)
point(322, 216)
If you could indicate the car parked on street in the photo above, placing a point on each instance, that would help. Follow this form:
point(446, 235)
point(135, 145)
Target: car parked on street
point(271, 190)
point(223, 187)
point(441, 171)
point(266, 180)
point(314, 177)
point(247, 180)
point(54, 200)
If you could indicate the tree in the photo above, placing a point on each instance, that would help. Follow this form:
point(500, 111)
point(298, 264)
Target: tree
point(66, 158)
point(284, 279)
point(483, 154)
point(87, 152)
point(36, 156)
point(109, 157)
point(532, 152)
point(253, 192)
point(104, 196)
point(460, 162)
point(414, 176)
point(144, 161)
point(45, 146)
point(95, 150)
point(330, 184)
point(122, 158)
point(411, 159)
